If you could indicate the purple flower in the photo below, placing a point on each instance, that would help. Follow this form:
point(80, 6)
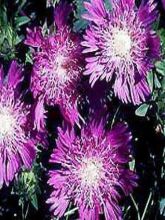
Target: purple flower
point(163, 3)
point(92, 173)
point(57, 70)
point(17, 145)
point(121, 46)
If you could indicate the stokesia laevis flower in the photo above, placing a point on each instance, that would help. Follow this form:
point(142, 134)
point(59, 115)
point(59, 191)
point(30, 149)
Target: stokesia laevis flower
point(17, 145)
point(122, 46)
point(92, 173)
point(57, 72)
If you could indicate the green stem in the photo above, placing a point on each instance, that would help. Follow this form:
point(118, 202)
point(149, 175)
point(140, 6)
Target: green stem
point(27, 211)
point(22, 210)
point(146, 207)
point(136, 207)
point(114, 117)
point(70, 212)
point(126, 212)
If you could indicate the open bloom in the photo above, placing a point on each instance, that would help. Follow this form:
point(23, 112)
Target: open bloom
point(56, 72)
point(91, 171)
point(121, 46)
point(17, 145)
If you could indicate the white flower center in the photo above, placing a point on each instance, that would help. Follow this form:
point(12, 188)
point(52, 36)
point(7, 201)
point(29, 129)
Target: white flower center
point(90, 172)
point(6, 124)
point(60, 69)
point(121, 43)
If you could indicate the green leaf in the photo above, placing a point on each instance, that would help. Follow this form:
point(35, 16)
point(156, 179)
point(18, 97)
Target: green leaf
point(80, 23)
point(34, 201)
point(108, 4)
point(3, 16)
point(163, 83)
point(161, 33)
point(29, 58)
point(132, 165)
point(162, 207)
point(21, 21)
point(150, 79)
point(142, 110)
point(157, 82)
point(160, 67)
point(27, 186)
point(18, 40)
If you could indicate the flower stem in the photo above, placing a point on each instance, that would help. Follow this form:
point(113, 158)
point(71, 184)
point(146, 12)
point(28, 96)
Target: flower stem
point(136, 207)
point(147, 204)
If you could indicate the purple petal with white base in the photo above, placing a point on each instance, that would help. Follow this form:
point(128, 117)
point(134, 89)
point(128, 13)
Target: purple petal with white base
point(57, 68)
point(121, 46)
point(17, 145)
point(92, 174)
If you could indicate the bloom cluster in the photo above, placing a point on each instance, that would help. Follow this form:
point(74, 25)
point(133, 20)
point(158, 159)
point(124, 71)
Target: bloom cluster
point(90, 163)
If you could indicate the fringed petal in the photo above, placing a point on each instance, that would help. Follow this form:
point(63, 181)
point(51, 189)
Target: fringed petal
point(61, 13)
point(14, 75)
point(34, 37)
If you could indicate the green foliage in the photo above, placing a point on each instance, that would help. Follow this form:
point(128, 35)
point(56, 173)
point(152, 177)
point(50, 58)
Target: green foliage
point(162, 207)
point(80, 24)
point(19, 21)
point(150, 79)
point(161, 33)
point(142, 110)
point(27, 188)
point(29, 58)
point(8, 37)
point(155, 108)
point(108, 4)
point(159, 92)
point(160, 67)
point(132, 165)
point(52, 2)
point(9, 28)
